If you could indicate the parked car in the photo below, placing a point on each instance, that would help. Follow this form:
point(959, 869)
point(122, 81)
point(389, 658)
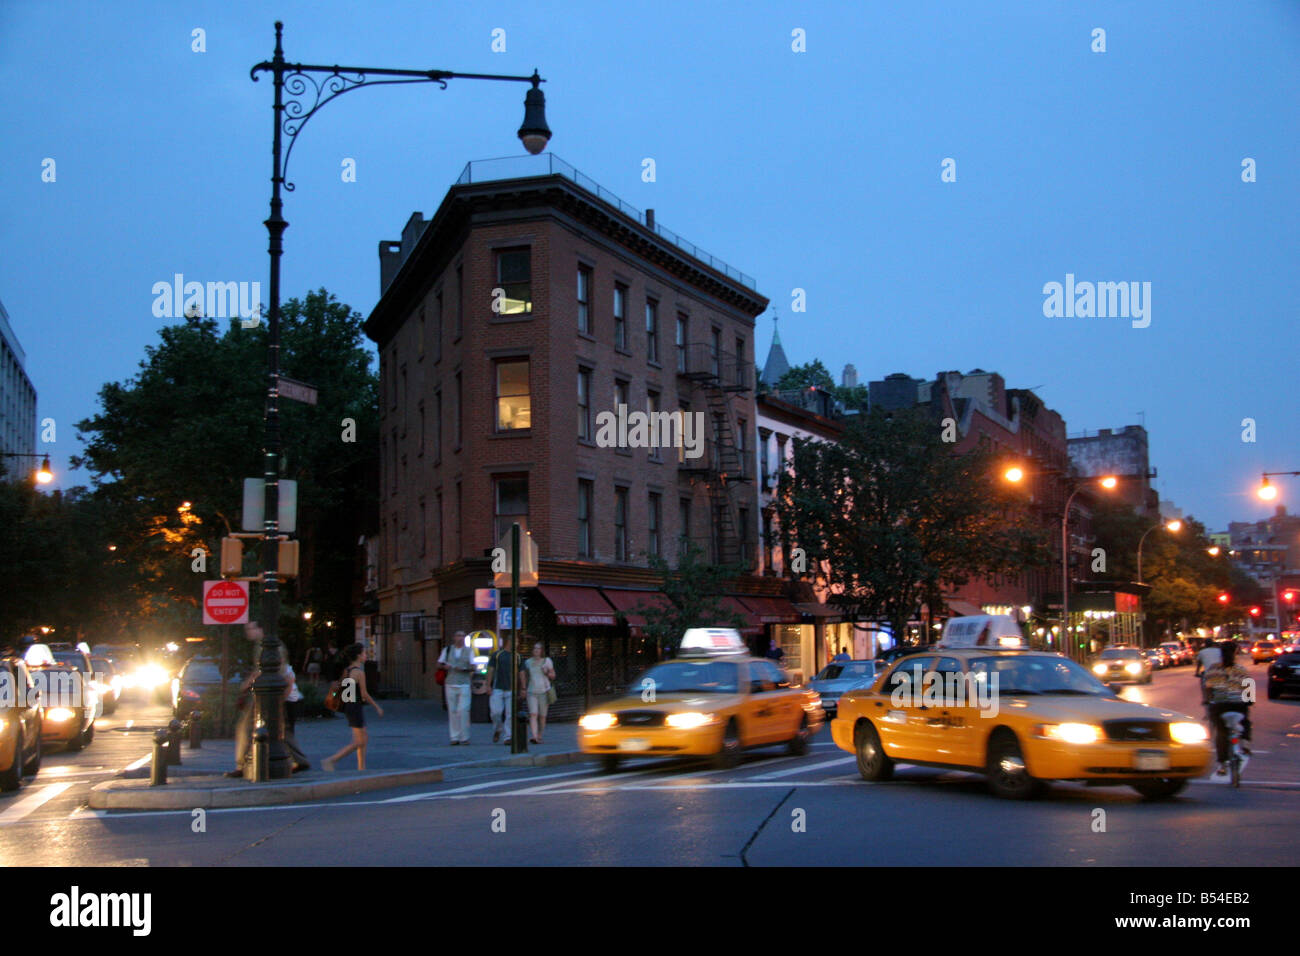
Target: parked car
point(109, 682)
point(1177, 652)
point(1158, 659)
point(198, 675)
point(1122, 664)
point(1264, 651)
point(837, 677)
point(1284, 675)
point(885, 658)
point(20, 724)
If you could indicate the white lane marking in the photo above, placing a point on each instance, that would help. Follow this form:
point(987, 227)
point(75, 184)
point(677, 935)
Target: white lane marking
point(791, 771)
point(137, 764)
point(475, 786)
point(33, 801)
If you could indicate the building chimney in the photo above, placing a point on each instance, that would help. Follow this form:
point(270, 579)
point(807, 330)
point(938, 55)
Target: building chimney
point(850, 377)
point(650, 219)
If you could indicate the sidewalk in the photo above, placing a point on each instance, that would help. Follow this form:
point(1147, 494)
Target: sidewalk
point(408, 745)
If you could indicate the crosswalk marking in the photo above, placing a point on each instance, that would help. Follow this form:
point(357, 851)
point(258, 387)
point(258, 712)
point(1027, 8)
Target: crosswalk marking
point(32, 801)
point(790, 771)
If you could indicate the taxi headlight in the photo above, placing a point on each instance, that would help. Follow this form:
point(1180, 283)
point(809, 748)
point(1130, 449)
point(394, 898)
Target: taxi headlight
point(598, 721)
point(1186, 732)
point(1070, 733)
point(1133, 667)
point(59, 714)
point(688, 721)
point(1099, 668)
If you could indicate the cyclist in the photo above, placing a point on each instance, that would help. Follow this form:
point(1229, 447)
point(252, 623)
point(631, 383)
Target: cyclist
point(1224, 689)
point(1209, 654)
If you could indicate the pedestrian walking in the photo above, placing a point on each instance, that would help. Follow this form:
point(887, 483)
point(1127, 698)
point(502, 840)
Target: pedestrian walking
point(541, 675)
point(500, 672)
point(459, 661)
point(842, 656)
point(355, 696)
point(244, 703)
point(293, 707)
point(331, 666)
point(774, 652)
point(312, 663)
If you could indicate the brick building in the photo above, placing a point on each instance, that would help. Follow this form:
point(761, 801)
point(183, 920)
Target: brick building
point(1124, 452)
point(511, 326)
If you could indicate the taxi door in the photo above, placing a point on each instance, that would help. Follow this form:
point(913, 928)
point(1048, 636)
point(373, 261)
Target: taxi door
point(901, 717)
point(761, 705)
point(955, 723)
point(788, 703)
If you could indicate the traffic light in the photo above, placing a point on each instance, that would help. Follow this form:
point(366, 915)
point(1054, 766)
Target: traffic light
point(232, 557)
point(1254, 611)
point(1223, 598)
point(1288, 596)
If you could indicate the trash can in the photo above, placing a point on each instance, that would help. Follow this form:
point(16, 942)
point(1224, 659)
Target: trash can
point(480, 705)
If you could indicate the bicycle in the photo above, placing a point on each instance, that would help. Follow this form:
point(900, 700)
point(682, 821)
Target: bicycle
point(1232, 721)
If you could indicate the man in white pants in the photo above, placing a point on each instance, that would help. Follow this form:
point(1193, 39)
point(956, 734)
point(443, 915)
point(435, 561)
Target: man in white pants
point(459, 661)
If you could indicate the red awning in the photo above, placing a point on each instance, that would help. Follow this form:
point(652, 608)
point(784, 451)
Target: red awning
point(627, 601)
point(751, 624)
point(578, 606)
point(817, 609)
point(771, 610)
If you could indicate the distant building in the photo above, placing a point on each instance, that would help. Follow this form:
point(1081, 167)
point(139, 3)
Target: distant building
point(1124, 454)
point(17, 403)
point(850, 377)
point(1269, 551)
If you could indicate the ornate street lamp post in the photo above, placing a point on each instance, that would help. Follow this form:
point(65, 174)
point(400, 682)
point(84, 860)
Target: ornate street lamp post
point(306, 95)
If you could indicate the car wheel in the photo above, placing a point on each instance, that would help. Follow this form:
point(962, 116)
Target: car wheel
point(1160, 788)
point(798, 745)
point(89, 735)
point(609, 764)
point(873, 765)
point(12, 778)
point(33, 766)
point(729, 755)
point(76, 743)
point(1008, 775)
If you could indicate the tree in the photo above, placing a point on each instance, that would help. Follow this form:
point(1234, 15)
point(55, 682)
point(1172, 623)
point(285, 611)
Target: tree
point(694, 592)
point(889, 516)
point(188, 427)
point(812, 374)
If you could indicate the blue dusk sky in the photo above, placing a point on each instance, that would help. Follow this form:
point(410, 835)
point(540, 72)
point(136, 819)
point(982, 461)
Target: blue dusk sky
point(818, 170)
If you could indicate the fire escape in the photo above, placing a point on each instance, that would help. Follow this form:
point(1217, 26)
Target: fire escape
point(717, 375)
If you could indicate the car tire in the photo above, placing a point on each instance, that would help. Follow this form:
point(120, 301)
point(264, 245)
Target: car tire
point(12, 778)
point(1160, 788)
point(89, 735)
point(33, 766)
point(1008, 776)
point(609, 764)
point(729, 756)
point(873, 764)
point(798, 745)
point(1147, 679)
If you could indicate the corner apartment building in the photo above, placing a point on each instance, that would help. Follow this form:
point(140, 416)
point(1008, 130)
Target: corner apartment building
point(529, 309)
point(17, 403)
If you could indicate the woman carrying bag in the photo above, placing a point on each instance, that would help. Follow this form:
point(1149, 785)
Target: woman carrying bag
point(541, 691)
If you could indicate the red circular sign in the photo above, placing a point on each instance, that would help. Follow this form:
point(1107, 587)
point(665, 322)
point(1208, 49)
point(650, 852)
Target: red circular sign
point(225, 602)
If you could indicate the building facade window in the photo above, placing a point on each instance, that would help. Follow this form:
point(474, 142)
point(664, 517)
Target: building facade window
point(420, 438)
point(437, 326)
point(424, 530)
point(743, 533)
point(437, 426)
point(510, 496)
point(654, 516)
point(437, 535)
point(651, 330)
point(620, 317)
point(460, 301)
point(460, 412)
point(715, 352)
point(652, 406)
point(514, 402)
point(742, 426)
point(683, 521)
point(620, 524)
point(585, 494)
point(584, 404)
point(584, 300)
point(514, 279)
point(740, 361)
point(682, 329)
point(764, 458)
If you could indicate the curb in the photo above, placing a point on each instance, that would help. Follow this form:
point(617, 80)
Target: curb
point(217, 795)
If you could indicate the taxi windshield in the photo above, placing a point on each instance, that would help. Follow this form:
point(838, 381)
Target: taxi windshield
point(1039, 675)
point(863, 670)
point(705, 677)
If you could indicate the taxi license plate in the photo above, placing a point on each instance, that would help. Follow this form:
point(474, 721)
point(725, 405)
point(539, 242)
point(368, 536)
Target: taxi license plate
point(634, 743)
point(1151, 760)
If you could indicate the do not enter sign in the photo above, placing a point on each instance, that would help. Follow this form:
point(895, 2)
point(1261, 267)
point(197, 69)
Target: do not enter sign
point(225, 602)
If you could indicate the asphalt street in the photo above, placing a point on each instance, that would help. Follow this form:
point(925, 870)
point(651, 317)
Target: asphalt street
point(771, 810)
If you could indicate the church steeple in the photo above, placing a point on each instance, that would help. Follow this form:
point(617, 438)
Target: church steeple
point(777, 364)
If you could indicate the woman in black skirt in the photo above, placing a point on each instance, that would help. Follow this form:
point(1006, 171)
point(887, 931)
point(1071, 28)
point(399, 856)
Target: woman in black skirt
point(355, 696)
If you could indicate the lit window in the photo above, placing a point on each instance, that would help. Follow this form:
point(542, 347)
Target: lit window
point(514, 404)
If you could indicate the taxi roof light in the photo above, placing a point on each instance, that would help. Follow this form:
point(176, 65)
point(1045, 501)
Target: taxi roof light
point(712, 640)
point(983, 630)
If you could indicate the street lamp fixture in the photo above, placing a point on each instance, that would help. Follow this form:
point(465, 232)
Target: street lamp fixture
point(1213, 552)
point(308, 88)
point(1267, 491)
point(43, 475)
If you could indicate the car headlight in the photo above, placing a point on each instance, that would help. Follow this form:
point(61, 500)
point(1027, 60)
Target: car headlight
point(59, 714)
point(1187, 732)
point(1133, 667)
point(688, 720)
point(1070, 733)
point(1099, 668)
point(598, 721)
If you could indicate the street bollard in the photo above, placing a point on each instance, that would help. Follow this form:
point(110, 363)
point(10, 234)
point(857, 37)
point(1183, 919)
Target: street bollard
point(196, 729)
point(261, 754)
point(174, 743)
point(158, 771)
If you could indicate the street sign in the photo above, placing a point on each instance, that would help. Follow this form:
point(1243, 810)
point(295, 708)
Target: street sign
point(298, 391)
point(485, 599)
point(225, 602)
point(527, 561)
point(504, 622)
point(255, 505)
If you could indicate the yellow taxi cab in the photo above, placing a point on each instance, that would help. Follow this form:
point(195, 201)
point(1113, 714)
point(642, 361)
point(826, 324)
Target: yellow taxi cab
point(980, 700)
point(712, 700)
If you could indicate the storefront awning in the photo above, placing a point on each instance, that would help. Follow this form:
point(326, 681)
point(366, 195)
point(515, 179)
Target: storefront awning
point(771, 610)
point(817, 609)
point(627, 601)
point(751, 624)
point(578, 606)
